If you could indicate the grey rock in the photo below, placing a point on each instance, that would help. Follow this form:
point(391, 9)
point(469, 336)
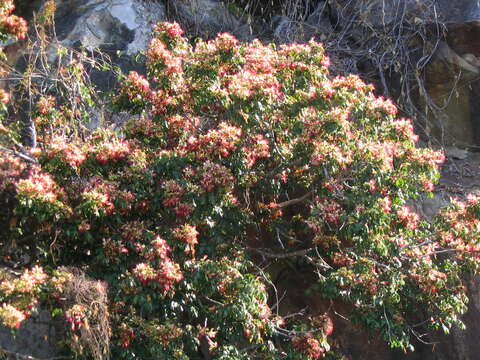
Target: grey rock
point(115, 24)
point(452, 79)
point(285, 30)
point(206, 18)
point(37, 337)
point(456, 153)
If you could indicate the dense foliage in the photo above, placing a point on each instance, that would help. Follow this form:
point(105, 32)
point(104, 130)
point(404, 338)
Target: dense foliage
point(233, 153)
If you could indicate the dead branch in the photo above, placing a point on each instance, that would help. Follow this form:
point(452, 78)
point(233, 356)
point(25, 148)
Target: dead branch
point(20, 155)
point(294, 201)
point(292, 254)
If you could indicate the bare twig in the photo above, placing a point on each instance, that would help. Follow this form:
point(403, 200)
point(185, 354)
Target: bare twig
point(20, 155)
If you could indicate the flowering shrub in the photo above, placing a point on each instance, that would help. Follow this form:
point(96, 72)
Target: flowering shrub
point(11, 25)
point(238, 152)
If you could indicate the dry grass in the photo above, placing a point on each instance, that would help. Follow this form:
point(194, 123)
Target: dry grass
point(94, 335)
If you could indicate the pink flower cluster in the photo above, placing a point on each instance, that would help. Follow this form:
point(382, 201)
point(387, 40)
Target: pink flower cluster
point(426, 157)
point(13, 25)
point(69, 152)
point(145, 273)
point(100, 195)
point(352, 82)
point(112, 151)
point(224, 42)
point(158, 53)
point(161, 100)
point(167, 274)
point(4, 96)
point(172, 29)
point(136, 86)
point(159, 249)
point(404, 127)
point(31, 279)
point(384, 153)
point(408, 218)
point(328, 151)
point(38, 186)
point(11, 316)
point(385, 203)
point(245, 84)
point(259, 149)
point(381, 106)
point(27, 283)
point(179, 125)
point(11, 168)
point(219, 142)
point(260, 59)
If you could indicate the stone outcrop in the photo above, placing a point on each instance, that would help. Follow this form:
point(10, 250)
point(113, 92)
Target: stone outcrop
point(453, 75)
point(126, 24)
point(37, 337)
point(115, 24)
point(452, 83)
point(206, 18)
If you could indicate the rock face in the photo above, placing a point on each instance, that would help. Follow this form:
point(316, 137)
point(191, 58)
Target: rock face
point(453, 75)
point(126, 24)
point(458, 11)
point(206, 18)
point(37, 337)
point(115, 24)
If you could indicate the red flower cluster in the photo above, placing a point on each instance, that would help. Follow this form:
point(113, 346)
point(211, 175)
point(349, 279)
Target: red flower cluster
point(172, 198)
point(213, 175)
point(166, 275)
point(13, 25)
point(68, 152)
point(158, 53)
point(112, 151)
point(308, 345)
